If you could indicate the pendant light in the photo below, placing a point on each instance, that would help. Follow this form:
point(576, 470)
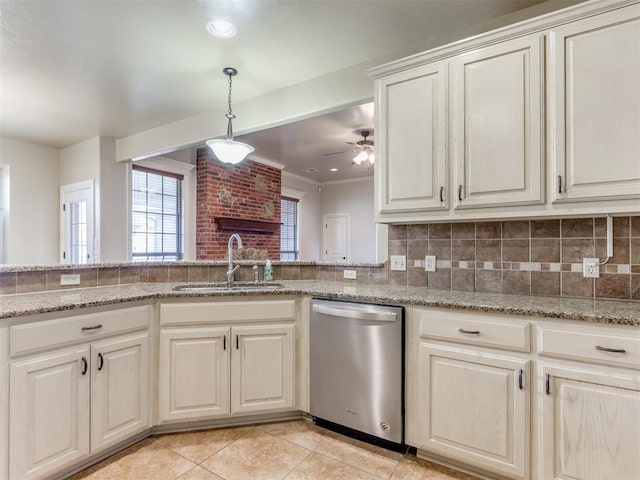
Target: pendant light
point(228, 150)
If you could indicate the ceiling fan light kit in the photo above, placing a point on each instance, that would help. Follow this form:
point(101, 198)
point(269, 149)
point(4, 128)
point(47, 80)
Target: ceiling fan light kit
point(366, 150)
point(227, 150)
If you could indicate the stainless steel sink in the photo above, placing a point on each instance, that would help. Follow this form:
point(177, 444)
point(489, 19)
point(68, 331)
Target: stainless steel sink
point(225, 287)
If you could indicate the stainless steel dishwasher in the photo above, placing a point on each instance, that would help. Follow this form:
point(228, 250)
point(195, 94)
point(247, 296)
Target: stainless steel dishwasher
point(356, 368)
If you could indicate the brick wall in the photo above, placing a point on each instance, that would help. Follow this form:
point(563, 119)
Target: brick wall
point(248, 191)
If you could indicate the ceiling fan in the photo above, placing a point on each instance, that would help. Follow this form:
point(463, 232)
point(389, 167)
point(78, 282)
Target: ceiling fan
point(364, 148)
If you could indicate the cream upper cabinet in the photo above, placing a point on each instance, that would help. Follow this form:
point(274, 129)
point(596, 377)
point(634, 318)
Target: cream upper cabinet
point(496, 121)
point(411, 140)
point(594, 107)
point(590, 424)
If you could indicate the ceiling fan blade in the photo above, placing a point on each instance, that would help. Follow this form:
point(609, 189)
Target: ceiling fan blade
point(334, 153)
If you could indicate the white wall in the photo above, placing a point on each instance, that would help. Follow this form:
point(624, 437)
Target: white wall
point(80, 162)
point(112, 205)
point(356, 199)
point(310, 215)
point(33, 224)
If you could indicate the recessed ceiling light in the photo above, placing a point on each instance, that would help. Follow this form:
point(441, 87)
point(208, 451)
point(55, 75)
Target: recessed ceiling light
point(221, 28)
point(333, 169)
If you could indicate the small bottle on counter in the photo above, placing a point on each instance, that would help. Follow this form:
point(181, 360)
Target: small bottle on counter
point(268, 273)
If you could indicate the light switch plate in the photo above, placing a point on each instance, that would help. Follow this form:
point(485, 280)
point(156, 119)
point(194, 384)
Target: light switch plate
point(591, 267)
point(351, 274)
point(398, 263)
point(430, 263)
point(70, 279)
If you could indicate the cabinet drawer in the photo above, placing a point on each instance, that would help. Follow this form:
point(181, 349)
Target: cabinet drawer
point(473, 328)
point(36, 336)
point(597, 346)
point(227, 312)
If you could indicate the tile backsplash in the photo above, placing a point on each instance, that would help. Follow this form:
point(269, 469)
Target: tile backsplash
point(527, 257)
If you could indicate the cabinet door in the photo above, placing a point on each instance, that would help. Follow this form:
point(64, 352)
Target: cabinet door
point(49, 412)
point(262, 368)
point(496, 98)
point(119, 389)
point(590, 425)
point(594, 107)
point(473, 407)
point(411, 140)
point(194, 373)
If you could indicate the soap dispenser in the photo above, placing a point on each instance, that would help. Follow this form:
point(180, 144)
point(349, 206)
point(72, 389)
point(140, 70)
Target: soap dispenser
point(268, 273)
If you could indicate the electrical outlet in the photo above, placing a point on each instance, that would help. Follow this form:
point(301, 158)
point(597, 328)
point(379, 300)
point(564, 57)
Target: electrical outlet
point(350, 274)
point(591, 267)
point(70, 279)
point(430, 263)
point(398, 262)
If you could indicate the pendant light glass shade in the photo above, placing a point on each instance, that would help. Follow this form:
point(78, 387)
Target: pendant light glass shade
point(228, 150)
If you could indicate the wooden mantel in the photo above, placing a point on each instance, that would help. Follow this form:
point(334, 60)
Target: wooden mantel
point(243, 225)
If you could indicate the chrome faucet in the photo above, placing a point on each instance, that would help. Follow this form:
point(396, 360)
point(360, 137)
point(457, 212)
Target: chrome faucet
point(232, 269)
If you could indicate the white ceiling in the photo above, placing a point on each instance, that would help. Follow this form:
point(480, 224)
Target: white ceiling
point(75, 69)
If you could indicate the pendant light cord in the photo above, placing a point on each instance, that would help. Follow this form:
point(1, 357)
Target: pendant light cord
point(230, 113)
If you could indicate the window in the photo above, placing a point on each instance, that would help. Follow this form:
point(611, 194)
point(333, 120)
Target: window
point(157, 219)
point(289, 243)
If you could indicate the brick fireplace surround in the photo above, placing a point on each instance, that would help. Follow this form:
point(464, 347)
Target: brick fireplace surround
point(248, 191)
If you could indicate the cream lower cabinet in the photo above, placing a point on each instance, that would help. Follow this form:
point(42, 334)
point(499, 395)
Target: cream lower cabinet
point(474, 408)
point(262, 368)
point(49, 412)
point(471, 389)
point(77, 385)
point(226, 358)
point(68, 403)
point(210, 372)
point(590, 424)
point(119, 389)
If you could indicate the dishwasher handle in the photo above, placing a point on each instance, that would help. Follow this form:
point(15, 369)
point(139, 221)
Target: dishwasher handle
point(381, 316)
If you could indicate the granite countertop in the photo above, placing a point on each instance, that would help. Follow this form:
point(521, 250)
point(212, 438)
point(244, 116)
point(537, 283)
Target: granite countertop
point(598, 311)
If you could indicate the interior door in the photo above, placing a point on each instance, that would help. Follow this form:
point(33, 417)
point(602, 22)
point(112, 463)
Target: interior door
point(335, 237)
point(77, 223)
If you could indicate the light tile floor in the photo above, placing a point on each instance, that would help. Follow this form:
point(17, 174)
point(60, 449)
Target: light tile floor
point(292, 450)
